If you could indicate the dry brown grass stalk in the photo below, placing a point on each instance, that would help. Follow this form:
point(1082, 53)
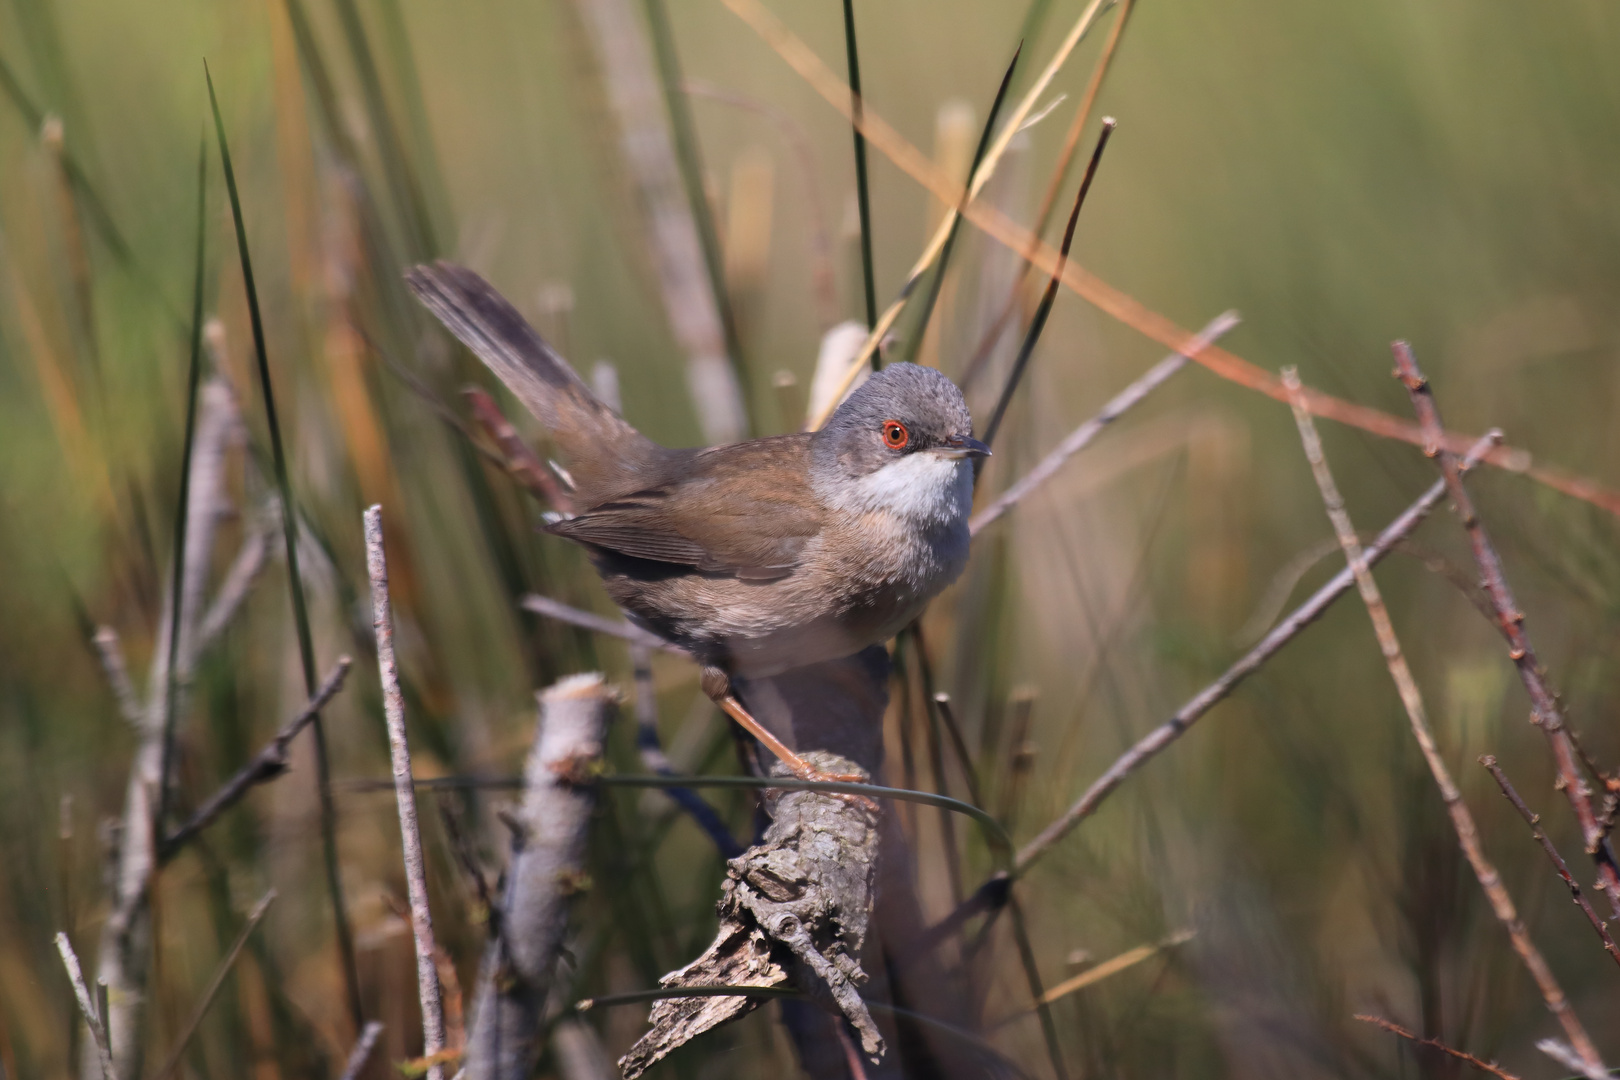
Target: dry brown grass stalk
point(1462, 819)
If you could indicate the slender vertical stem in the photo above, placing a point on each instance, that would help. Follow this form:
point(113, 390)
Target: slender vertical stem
point(289, 529)
point(94, 1017)
point(863, 197)
point(176, 597)
point(1462, 819)
point(399, 752)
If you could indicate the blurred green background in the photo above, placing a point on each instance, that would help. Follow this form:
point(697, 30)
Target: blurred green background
point(1341, 174)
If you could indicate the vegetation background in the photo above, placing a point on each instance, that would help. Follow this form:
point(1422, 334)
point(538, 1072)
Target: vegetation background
point(1341, 174)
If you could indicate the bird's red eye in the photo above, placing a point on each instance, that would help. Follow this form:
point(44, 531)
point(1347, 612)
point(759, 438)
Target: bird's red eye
point(895, 435)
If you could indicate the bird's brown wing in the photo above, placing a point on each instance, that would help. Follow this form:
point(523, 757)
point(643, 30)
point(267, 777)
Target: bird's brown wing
point(745, 509)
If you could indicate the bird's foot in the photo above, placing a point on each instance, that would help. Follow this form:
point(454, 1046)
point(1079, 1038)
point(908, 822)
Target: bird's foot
point(803, 770)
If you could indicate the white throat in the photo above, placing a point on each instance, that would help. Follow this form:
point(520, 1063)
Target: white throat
point(926, 489)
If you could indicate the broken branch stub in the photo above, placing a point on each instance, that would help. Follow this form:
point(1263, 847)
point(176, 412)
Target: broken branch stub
point(793, 913)
point(547, 861)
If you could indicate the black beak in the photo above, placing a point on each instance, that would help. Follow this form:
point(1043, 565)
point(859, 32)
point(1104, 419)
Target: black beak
point(963, 446)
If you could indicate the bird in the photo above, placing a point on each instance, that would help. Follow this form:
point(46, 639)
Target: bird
point(760, 556)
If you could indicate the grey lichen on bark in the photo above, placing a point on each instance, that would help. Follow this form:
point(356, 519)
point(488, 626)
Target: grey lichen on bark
point(793, 913)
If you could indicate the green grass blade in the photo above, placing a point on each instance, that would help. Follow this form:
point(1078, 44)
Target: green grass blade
point(289, 528)
point(182, 511)
point(863, 198)
point(690, 158)
point(944, 260)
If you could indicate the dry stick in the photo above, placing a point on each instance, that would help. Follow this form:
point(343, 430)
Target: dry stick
point(950, 194)
point(92, 1017)
point(362, 1050)
point(515, 977)
point(244, 570)
point(1534, 821)
point(1153, 742)
point(1461, 819)
point(1113, 302)
point(269, 763)
point(1076, 441)
point(1566, 1057)
point(619, 628)
point(382, 622)
point(214, 984)
point(1396, 1029)
point(518, 457)
point(1510, 621)
point(117, 671)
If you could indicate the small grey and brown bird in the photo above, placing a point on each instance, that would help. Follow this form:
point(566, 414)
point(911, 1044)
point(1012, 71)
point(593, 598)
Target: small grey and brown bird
point(759, 556)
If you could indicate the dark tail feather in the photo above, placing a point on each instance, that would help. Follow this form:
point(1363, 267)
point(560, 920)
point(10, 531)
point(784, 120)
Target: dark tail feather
point(596, 439)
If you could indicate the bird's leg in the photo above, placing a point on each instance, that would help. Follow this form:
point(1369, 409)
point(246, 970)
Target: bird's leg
point(717, 685)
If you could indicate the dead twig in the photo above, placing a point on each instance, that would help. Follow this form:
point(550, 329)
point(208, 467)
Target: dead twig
point(1396, 1029)
point(1121, 403)
point(362, 1050)
point(1510, 621)
point(214, 984)
point(244, 570)
point(117, 671)
point(399, 752)
point(1534, 821)
point(1462, 819)
point(1150, 745)
point(93, 1017)
point(517, 456)
point(269, 763)
point(515, 977)
point(619, 628)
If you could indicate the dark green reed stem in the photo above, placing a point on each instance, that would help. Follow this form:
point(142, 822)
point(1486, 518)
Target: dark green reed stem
point(863, 198)
point(183, 511)
point(1026, 954)
point(289, 529)
point(1045, 309)
point(944, 259)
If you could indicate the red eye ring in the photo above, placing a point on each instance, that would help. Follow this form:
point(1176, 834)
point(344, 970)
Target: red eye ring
point(895, 435)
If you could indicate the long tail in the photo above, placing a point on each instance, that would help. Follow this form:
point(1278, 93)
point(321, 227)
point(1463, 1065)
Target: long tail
point(598, 442)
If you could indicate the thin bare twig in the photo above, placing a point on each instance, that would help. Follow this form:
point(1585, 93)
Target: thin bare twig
point(1462, 820)
point(117, 671)
point(269, 763)
point(1534, 821)
point(1567, 1057)
point(214, 984)
point(518, 456)
point(1510, 621)
point(626, 631)
point(399, 751)
point(244, 570)
point(362, 1050)
point(1122, 402)
point(1153, 742)
point(1396, 1029)
point(92, 1016)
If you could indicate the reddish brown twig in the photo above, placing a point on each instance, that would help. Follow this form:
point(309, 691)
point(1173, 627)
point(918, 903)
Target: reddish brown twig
point(1461, 1055)
point(517, 456)
point(1510, 621)
point(1462, 820)
point(1534, 821)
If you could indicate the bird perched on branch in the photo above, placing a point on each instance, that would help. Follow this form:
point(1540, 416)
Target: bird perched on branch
point(759, 556)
